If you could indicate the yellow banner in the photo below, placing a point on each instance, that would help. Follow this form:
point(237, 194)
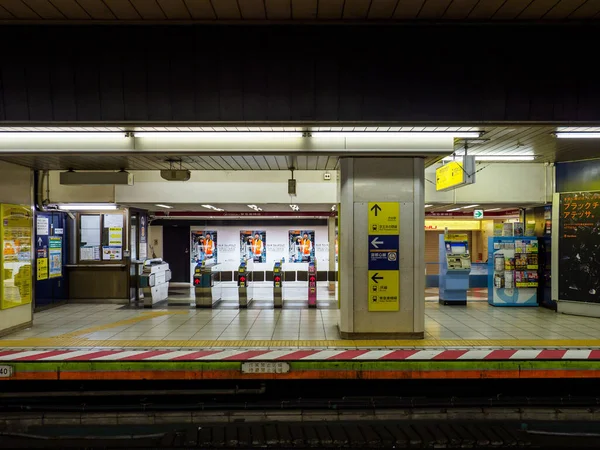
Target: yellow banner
point(449, 175)
point(384, 287)
point(454, 237)
point(384, 218)
point(42, 269)
point(452, 225)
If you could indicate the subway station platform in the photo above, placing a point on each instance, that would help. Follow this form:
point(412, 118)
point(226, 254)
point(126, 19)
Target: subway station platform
point(98, 341)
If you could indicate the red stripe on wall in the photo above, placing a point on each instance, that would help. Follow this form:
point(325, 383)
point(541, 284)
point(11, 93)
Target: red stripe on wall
point(297, 355)
point(196, 355)
point(145, 355)
point(94, 355)
point(399, 354)
point(450, 354)
point(43, 355)
point(348, 354)
point(246, 355)
point(551, 354)
point(501, 354)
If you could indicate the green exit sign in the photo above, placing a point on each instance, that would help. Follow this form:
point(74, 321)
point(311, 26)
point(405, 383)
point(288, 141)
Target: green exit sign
point(478, 214)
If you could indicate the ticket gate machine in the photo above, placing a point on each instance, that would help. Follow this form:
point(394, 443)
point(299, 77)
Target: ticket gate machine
point(204, 281)
point(277, 285)
point(312, 285)
point(242, 283)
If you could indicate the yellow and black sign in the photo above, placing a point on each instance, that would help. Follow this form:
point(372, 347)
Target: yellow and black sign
point(384, 218)
point(383, 290)
point(42, 268)
point(449, 175)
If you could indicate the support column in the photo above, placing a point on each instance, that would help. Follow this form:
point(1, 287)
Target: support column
point(332, 253)
point(393, 182)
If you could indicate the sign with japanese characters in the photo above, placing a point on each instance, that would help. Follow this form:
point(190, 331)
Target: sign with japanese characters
point(384, 256)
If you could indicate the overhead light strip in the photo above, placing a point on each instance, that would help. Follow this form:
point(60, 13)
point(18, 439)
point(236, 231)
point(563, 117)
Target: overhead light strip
point(577, 135)
point(87, 207)
point(498, 158)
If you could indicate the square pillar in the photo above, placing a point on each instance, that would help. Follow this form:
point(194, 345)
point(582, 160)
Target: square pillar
point(397, 182)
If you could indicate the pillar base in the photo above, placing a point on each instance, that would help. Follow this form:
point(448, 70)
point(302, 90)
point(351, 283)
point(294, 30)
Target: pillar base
point(386, 336)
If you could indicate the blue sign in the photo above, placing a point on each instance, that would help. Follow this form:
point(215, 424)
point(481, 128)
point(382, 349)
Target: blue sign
point(384, 252)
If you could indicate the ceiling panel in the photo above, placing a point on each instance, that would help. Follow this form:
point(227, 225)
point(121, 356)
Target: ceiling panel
point(226, 9)
point(356, 9)
point(278, 9)
point(434, 9)
point(408, 9)
point(382, 9)
point(201, 9)
point(485, 9)
point(97, 9)
point(460, 9)
point(122, 9)
point(20, 10)
point(587, 10)
point(174, 9)
point(304, 9)
point(537, 9)
point(148, 9)
point(252, 9)
point(70, 9)
point(511, 9)
point(330, 9)
point(563, 9)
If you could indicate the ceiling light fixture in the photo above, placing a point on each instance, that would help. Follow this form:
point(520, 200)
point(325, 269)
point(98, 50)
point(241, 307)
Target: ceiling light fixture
point(428, 206)
point(470, 206)
point(254, 207)
point(577, 135)
point(295, 207)
point(494, 158)
point(87, 207)
point(333, 207)
point(163, 206)
point(492, 209)
point(211, 207)
point(453, 209)
point(397, 134)
point(10, 135)
point(217, 134)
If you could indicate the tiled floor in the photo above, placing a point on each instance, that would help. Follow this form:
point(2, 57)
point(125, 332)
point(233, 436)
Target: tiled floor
point(477, 321)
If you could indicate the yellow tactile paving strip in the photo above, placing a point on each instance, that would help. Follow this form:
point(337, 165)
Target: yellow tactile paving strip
point(77, 339)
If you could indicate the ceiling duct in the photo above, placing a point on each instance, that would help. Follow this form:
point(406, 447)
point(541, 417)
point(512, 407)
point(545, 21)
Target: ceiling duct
point(96, 178)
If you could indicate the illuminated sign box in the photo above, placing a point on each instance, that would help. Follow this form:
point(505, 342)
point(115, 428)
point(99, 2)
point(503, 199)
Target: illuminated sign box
point(457, 173)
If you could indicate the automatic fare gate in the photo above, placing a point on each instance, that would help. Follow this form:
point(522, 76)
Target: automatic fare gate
point(277, 285)
point(312, 285)
point(204, 286)
point(242, 283)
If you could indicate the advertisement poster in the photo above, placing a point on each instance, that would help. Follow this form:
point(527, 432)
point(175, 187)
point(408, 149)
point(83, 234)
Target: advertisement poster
point(578, 246)
point(115, 237)
point(42, 226)
point(302, 245)
point(112, 253)
point(55, 269)
point(16, 273)
point(143, 238)
point(204, 246)
point(42, 269)
point(253, 246)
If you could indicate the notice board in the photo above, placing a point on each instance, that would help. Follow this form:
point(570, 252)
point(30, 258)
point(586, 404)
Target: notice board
point(579, 247)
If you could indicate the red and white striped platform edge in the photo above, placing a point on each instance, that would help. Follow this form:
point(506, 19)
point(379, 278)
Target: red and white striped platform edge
point(298, 355)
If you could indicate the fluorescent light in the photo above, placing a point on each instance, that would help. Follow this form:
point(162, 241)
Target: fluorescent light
point(396, 134)
point(428, 206)
point(61, 135)
point(163, 206)
point(295, 207)
point(254, 207)
point(217, 134)
point(333, 207)
point(453, 209)
point(494, 158)
point(577, 135)
point(86, 207)
point(470, 206)
point(214, 208)
point(493, 209)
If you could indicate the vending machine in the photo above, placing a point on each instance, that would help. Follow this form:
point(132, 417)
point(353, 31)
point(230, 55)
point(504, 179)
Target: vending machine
point(455, 268)
point(513, 263)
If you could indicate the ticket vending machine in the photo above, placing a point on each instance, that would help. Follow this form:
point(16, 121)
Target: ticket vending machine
point(312, 285)
point(455, 268)
point(277, 285)
point(242, 283)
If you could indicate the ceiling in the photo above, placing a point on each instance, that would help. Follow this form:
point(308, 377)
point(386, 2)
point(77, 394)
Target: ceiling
point(496, 141)
point(295, 10)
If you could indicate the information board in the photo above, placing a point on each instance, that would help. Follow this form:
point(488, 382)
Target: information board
point(578, 244)
point(384, 256)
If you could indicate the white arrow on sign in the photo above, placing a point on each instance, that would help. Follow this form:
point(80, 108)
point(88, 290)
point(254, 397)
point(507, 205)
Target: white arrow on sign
point(375, 243)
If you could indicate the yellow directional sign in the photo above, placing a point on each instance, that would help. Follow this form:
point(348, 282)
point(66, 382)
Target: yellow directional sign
point(384, 218)
point(42, 268)
point(384, 289)
point(449, 175)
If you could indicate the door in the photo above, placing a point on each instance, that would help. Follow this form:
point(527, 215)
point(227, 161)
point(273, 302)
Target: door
point(176, 252)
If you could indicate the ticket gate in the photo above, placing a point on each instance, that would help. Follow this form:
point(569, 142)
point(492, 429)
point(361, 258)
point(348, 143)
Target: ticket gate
point(277, 285)
point(154, 282)
point(204, 283)
point(242, 283)
point(312, 285)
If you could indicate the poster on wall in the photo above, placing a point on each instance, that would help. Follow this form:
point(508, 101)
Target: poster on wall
point(253, 246)
point(55, 256)
point(302, 245)
point(204, 246)
point(579, 247)
point(15, 271)
point(143, 238)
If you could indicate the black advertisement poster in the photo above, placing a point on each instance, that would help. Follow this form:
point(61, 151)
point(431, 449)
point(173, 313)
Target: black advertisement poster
point(579, 247)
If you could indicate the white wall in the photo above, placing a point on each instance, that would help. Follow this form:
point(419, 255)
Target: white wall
point(497, 183)
point(228, 246)
point(155, 241)
point(223, 186)
point(15, 187)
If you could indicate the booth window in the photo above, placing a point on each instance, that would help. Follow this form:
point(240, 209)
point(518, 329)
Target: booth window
point(101, 237)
